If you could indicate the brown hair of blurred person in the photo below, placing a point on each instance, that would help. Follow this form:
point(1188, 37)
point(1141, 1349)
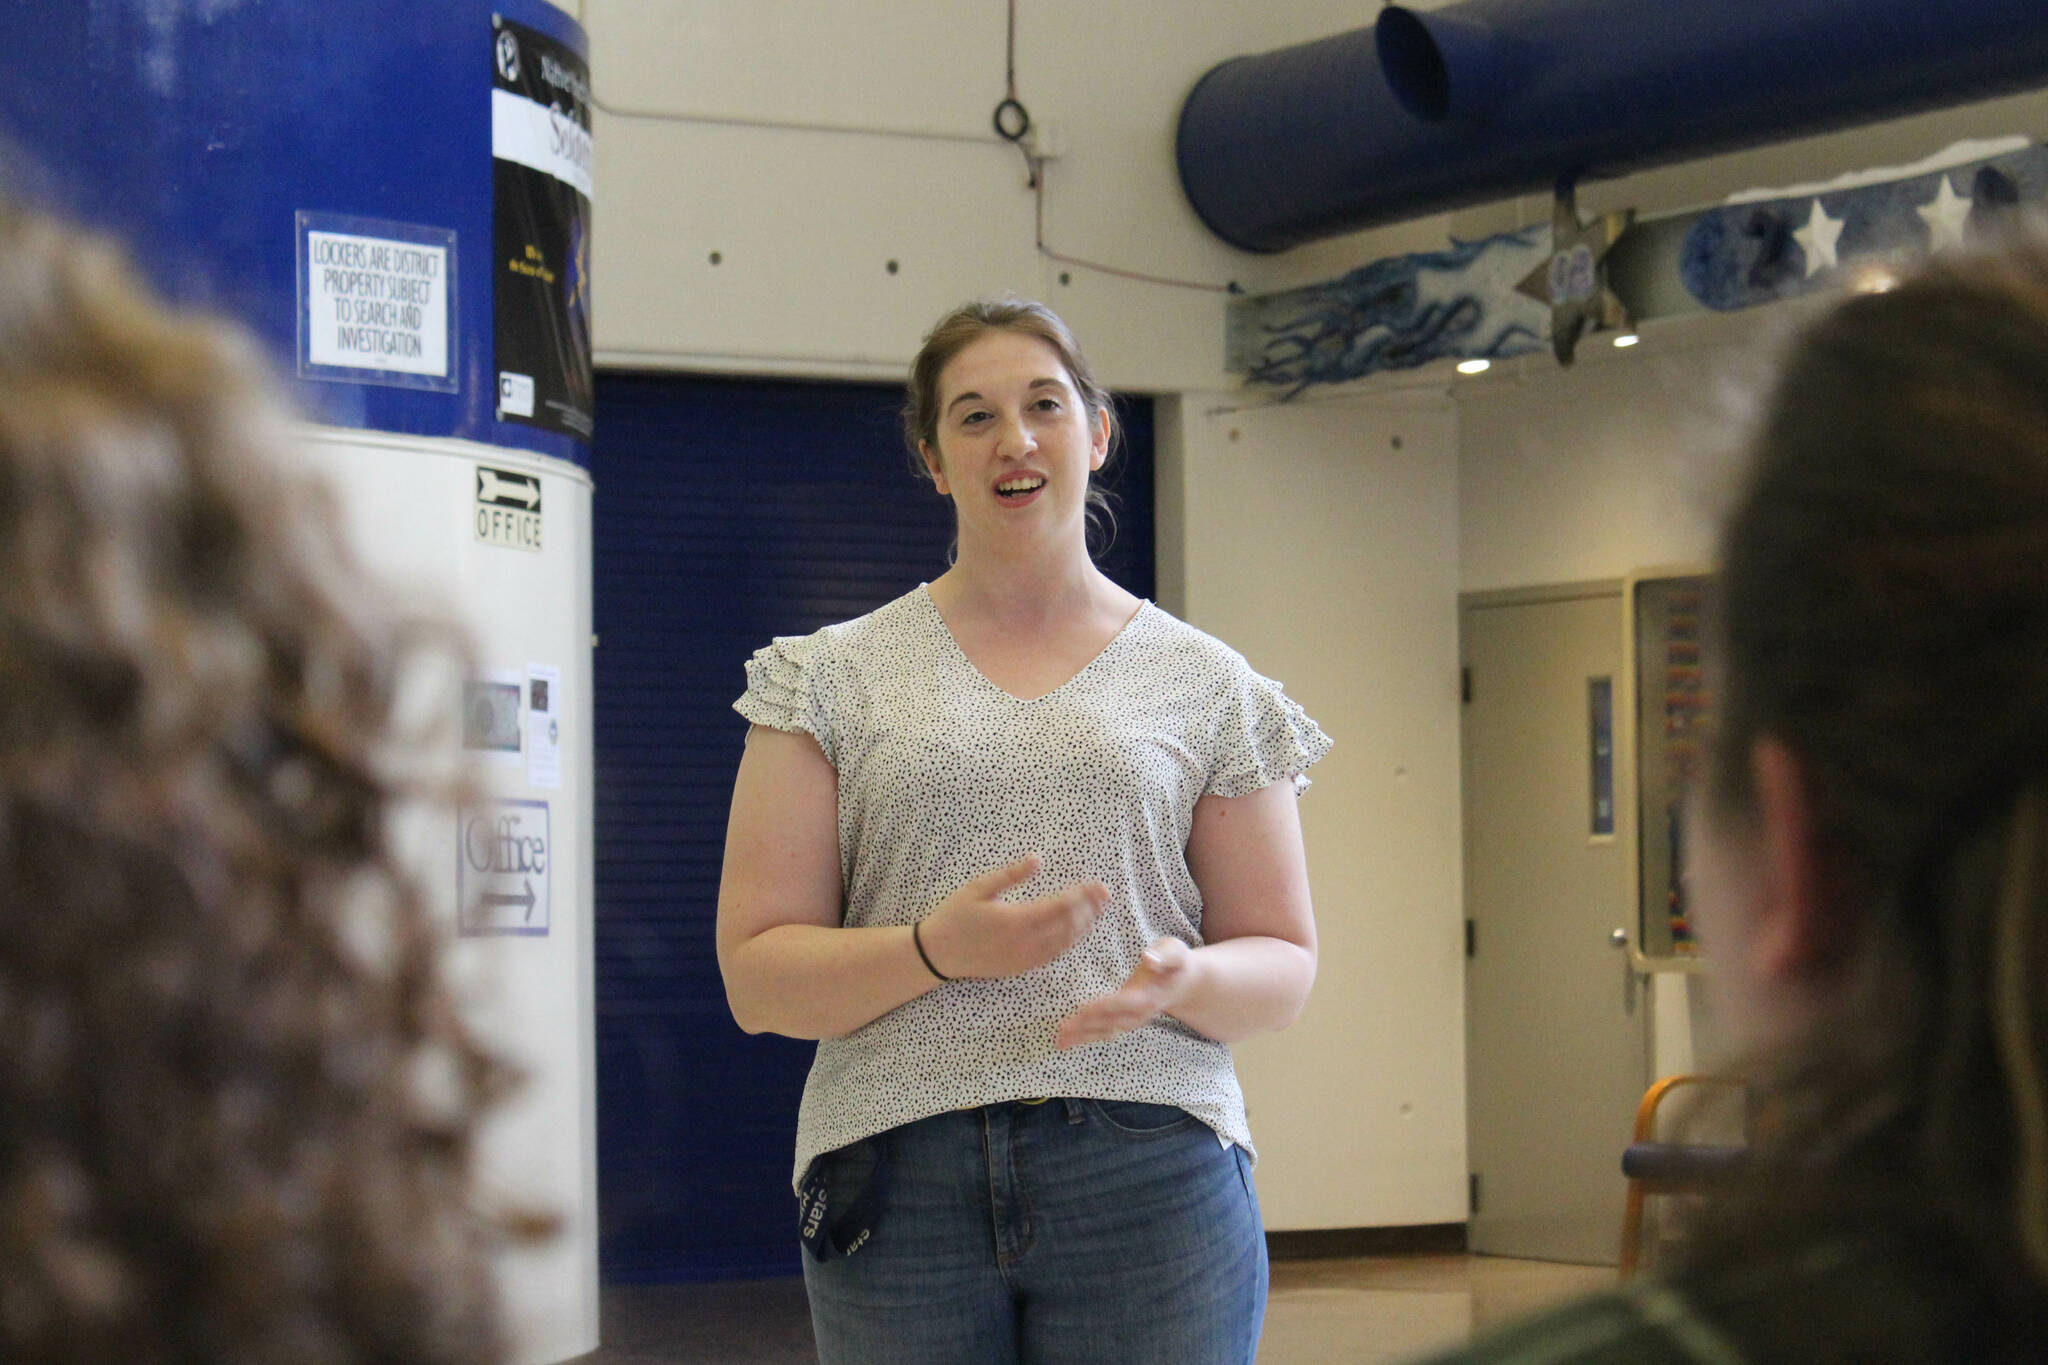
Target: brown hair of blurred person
point(1883, 645)
point(236, 1103)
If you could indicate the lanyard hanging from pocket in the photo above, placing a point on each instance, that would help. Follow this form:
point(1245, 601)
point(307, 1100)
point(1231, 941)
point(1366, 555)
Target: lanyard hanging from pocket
point(840, 1223)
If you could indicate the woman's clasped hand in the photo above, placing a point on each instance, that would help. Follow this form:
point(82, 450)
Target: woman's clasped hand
point(1164, 971)
point(976, 933)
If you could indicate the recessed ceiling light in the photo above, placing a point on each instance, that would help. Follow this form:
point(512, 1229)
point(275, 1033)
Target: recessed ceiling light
point(1626, 339)
point(1474, 366)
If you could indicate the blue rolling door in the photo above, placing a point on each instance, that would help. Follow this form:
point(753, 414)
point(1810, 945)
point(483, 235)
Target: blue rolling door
point(727, 511)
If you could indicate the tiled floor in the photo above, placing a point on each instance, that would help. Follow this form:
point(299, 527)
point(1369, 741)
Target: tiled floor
point(1357, 1312)
point(1376, 1309)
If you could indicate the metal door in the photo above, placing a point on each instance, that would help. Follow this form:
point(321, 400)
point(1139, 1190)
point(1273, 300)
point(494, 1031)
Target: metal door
point(1556, 1032)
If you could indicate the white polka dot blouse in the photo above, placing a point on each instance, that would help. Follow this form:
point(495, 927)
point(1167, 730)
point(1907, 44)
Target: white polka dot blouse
point(943, 776)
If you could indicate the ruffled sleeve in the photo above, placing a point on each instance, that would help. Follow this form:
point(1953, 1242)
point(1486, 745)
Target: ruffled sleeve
point(786, 690)
point(1262, 735)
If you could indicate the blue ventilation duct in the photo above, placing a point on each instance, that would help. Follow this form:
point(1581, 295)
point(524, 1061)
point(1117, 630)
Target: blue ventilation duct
point(1431, 110)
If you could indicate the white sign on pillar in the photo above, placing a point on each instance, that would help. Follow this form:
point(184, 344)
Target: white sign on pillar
point(502, 868)
point(377, 302)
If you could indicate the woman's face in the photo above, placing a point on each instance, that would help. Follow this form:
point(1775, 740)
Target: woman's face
point(1015, 442)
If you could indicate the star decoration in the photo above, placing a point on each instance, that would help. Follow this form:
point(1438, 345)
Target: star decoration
point(1945, 215)
point(1818, 238)
point(1574, 280)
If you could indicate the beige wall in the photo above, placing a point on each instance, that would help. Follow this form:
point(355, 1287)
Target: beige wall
point(1321, 540)
point(1615, 465)
point(886, 153)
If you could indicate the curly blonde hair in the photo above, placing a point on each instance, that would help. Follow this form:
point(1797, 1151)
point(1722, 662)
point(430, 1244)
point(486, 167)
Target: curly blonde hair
point(236, 1101)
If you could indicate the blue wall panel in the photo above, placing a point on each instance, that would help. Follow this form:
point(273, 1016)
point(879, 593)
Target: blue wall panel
point(195, 131)
point(727, 512)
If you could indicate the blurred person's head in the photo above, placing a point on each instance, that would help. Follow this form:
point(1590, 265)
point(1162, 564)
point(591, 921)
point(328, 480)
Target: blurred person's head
point(1870, 861)
point(236, 1104)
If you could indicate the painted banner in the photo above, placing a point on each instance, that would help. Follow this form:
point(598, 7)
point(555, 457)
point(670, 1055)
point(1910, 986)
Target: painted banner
point(1514, 292)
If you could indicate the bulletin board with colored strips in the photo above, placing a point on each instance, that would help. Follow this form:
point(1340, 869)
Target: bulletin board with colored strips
point(1673, 709)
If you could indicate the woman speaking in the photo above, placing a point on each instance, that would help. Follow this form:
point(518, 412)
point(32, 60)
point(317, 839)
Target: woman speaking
point(1021, 851)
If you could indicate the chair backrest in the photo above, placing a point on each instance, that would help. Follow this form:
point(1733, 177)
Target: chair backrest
point(1654, 1097)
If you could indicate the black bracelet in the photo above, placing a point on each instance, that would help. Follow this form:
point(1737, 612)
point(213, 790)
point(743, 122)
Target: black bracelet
point(917, 941)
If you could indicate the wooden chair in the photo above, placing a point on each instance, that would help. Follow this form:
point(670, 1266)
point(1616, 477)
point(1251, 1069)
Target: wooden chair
point(1654, 1167)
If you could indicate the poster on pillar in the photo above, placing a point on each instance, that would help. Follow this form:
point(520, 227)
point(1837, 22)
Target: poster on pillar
point(541, 187)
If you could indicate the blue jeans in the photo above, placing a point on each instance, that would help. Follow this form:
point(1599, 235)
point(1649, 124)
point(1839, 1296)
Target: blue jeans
point(1081, 1231)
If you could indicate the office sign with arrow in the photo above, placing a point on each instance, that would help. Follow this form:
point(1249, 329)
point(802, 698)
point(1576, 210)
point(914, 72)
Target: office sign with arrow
point(502, 867)
point(507, 508)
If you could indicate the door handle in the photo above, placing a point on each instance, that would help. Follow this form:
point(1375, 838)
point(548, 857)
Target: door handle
point(1629, 986)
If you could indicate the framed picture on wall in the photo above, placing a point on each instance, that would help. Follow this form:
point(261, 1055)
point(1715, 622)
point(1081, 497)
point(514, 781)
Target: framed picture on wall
point(1672, 706)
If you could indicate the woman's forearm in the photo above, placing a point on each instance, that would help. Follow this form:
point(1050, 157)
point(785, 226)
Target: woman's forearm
point(810, 981)
point(813, 980)
point(1242, 986)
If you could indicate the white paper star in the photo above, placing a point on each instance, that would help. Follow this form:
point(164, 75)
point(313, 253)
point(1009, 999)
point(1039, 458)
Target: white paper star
point(1817, 239)
point(1945, 216)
